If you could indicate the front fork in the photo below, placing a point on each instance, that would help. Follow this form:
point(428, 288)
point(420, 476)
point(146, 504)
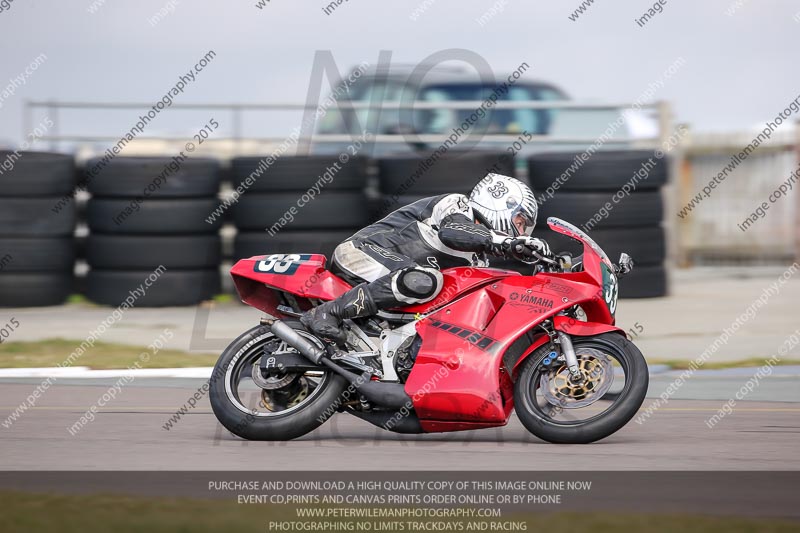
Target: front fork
point(569, 354)
point(567, 350)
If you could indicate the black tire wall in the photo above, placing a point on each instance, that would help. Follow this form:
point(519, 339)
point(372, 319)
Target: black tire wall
point(37, 223)
point(299, 205)
point(133, 233)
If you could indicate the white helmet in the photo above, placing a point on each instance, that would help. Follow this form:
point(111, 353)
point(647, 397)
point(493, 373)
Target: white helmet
point(504, 204)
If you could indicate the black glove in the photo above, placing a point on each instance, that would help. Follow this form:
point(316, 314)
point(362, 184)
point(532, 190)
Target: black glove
point(528, 249)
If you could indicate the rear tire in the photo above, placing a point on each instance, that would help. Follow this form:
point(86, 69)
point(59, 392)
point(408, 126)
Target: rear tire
point(600, 426)
point(275, 427)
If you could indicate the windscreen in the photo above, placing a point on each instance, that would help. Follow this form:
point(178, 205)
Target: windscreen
point(570, 230)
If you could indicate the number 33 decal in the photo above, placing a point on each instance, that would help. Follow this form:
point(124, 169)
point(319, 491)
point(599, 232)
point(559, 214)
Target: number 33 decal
point(280, 263)
point(611, 293)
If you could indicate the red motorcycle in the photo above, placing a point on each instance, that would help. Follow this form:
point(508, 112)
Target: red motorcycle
point(491, 342)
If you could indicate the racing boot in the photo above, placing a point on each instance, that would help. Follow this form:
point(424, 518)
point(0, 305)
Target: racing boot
point(326, 320)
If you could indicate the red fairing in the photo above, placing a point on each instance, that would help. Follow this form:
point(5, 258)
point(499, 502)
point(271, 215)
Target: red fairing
point(538, 343)
point(459, 374)
point(258, 278)
point(579, 328)
point(456, 282)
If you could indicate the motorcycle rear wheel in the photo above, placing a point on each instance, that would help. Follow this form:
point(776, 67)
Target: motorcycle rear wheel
point(241, 407)
point(557, 423)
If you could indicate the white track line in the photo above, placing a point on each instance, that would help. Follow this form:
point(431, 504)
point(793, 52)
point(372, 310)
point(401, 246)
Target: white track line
point(86, 372)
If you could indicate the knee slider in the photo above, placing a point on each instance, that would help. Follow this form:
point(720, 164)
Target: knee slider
point(419, 282)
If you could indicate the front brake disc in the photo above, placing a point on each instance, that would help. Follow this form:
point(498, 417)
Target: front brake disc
point(597, 372)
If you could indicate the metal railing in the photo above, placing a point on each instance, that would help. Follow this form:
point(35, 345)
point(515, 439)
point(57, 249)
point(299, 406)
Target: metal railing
point(56, 137)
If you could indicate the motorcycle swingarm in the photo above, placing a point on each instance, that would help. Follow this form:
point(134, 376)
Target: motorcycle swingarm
point(289, 362)
point(293, 362)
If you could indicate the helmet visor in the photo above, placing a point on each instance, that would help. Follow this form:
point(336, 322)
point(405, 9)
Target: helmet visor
point(522, 222)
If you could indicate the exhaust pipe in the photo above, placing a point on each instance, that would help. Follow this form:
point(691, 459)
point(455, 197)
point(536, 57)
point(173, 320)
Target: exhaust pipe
point(313, 353)
point(389, 395)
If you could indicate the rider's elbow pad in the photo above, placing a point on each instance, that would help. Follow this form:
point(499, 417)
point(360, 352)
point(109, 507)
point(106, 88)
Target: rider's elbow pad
point(465, 236)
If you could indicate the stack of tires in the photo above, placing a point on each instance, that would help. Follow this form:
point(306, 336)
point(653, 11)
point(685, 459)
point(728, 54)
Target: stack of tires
point(151, 212)
point(37, 221)
point(302, 204)
point(621, 219)
point(404, 179)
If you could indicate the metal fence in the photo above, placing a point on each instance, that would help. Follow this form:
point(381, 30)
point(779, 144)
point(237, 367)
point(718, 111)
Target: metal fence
point(237, 141)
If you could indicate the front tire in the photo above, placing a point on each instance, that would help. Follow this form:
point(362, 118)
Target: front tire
point(558, 423)
point(242, 411)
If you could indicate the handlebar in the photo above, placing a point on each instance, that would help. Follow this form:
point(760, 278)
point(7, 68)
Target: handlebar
point(526, 252)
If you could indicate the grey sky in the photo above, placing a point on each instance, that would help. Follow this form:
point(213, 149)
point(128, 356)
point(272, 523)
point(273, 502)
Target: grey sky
point(740, 70)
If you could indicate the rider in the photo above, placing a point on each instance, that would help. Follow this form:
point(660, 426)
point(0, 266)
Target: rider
point(397, 260)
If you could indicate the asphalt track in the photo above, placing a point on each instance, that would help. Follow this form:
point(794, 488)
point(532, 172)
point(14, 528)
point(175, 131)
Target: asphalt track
point(129, 435)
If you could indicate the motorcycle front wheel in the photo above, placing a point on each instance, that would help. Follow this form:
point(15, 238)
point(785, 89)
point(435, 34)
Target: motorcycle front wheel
point(290, 406)
point(561, 410)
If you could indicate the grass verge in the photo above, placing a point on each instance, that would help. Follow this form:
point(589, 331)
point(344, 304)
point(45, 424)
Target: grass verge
point(101, 356)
